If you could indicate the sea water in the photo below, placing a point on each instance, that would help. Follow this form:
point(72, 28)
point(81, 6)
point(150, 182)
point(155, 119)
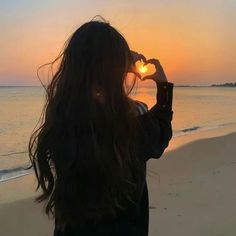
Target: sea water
point(195, 109)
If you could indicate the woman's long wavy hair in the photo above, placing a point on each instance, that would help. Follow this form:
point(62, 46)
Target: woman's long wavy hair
point(85, 152)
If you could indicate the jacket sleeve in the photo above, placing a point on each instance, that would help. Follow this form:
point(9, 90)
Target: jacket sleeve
point(156, 128)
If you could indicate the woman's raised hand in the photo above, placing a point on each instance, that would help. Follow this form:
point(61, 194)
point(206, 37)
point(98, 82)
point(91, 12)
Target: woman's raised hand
point(159, 75)
point(137, 56)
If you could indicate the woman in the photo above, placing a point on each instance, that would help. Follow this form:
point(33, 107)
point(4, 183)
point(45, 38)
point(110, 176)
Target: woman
point(90, 153)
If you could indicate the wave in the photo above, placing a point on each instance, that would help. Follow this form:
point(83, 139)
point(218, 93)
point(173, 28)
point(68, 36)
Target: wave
point(13, 153)
point(226, 124)
point(15, 172)
point(190, 129)
point(195, 129)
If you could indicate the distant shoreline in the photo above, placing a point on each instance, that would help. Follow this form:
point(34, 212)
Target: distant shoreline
point(224, 85)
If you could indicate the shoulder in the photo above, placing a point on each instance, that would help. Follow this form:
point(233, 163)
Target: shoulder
point(141, 106)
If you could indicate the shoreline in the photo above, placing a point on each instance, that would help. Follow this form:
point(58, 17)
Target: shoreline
point(181, 140)
point(175, 142)
point(196, 129)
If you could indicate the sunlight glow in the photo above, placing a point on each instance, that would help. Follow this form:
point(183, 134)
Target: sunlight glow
point(143, 69)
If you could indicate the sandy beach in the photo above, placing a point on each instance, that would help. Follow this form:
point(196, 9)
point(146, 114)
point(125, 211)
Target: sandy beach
point(191, 191)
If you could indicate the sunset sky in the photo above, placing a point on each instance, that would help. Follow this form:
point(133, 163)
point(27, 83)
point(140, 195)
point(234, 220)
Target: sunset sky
point(195, 41)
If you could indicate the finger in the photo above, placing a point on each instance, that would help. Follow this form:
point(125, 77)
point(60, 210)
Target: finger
point(137, 74)
point(153, 76)
point(142, 57)
point(133, 52)
point(137, 56)
point(146, 78)
point(134, 55)
point(153, 61)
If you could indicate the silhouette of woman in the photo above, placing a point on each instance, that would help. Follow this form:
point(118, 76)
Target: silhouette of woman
point(90, 152)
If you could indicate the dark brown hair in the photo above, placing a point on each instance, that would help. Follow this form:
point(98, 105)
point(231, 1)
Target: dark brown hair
point(85, 152)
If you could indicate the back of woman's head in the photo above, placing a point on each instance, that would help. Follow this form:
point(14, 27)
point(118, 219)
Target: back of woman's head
point(85, 153)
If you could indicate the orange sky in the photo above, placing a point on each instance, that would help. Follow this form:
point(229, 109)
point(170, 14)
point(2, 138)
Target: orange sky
point(195, 41)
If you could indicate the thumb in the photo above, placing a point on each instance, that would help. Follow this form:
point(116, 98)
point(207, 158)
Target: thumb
point(153, 76)
point(137, 74)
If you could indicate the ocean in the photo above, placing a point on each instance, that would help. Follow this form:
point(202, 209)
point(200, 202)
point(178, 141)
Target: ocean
point(195, 109)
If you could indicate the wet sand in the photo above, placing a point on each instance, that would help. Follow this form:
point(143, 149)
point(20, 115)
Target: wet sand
point(191, 191)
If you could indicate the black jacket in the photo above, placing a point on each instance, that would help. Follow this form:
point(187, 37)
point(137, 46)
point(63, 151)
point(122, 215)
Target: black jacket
point(155, 135)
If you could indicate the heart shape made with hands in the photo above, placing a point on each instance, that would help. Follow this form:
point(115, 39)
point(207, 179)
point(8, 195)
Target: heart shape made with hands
point(145, 70)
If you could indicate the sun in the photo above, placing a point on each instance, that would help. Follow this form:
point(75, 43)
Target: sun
point(143, 69)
